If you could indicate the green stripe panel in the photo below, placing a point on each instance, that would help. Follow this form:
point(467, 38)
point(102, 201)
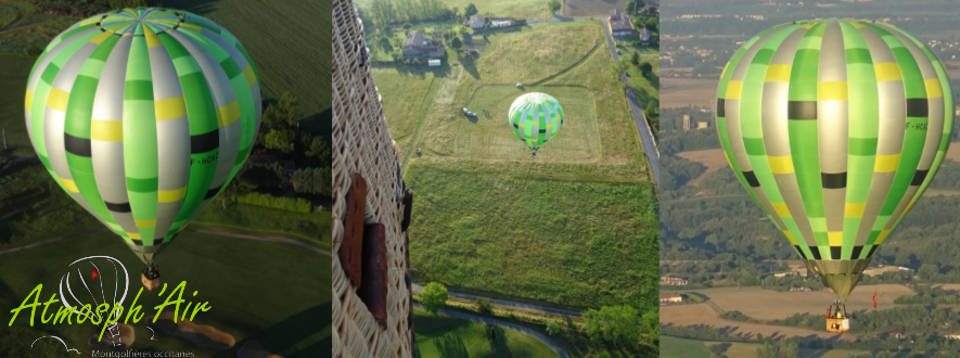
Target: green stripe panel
point(858, 95)
point(68, 78)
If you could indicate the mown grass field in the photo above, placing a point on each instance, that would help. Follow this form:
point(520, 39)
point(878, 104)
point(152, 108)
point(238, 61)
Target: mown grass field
point(448, 337)
point(527, 9)
point(257, 290)
point(577, 226)
point(672, 347)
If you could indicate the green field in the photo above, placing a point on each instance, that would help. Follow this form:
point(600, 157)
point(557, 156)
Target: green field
point(443, 336)
point(577, 226)
point(672, 347)
point(258, 290)
point(526, 9)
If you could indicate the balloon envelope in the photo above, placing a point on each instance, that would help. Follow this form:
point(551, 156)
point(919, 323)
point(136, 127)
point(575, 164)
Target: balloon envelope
point(142, 116)
point(535, 118)
point(835, 127)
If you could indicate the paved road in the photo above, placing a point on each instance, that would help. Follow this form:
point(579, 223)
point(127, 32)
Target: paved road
point(509, 303)
point(502, 323)
point(646, 135)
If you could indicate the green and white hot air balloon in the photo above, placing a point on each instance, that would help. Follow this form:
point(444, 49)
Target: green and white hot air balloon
point(142, 116)
point(835, 127)
point(535, 118)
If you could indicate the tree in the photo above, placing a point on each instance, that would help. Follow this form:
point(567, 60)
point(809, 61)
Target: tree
point(619, 325)
point(635, 59)
point(554, 328)
point(455, 43)
point(283, 113)
point(279, 139)
point(434, 296)
point(470, 10)
point(646, 69)
point(319, 150)
point(484, 306)
point(554, 6)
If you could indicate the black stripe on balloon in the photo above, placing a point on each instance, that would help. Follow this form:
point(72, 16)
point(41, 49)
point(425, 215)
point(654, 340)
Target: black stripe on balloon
point(799, 251)
point(721, 112)
point(751, 179)
point(543, 131)
point(917, 107)
point(835, 252)
point(919, 177)
point(117, 207)
point(802, 110)
point(834, 180)
point(815, 251)
point(212, 192)
point(76, 145)
point(873, 249)
point(202, 143)
point(856, 252)
point(137, 242)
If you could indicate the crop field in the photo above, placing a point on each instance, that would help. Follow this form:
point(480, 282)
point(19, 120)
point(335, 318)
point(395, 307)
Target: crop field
point(443, 336)
point(712, 159)
point(592, 7)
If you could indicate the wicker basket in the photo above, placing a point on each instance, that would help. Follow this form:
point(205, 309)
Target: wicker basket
point(362, 145)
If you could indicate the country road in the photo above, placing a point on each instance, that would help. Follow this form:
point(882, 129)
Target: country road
point(508, 303)
point(646, 134)
point(499, 322)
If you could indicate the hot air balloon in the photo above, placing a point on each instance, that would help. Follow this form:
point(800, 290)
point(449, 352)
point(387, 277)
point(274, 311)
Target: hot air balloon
point(535, 118)
point(835, 127)
point(143, 116)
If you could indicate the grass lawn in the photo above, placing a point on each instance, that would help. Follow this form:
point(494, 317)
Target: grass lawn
point(672, 347)
point(642, 84)
point(578, 225)
point(263, 291)
point(527, 9)
point(442, 336)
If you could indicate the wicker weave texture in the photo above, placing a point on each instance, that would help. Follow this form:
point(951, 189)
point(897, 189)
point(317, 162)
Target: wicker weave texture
point(362, 144)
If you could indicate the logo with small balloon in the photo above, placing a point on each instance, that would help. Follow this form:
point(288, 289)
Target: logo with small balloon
point(94, 290)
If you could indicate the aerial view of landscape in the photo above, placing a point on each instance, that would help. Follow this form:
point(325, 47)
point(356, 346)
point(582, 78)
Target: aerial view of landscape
point(731, 285)
point(541, 245)
point(257, 252)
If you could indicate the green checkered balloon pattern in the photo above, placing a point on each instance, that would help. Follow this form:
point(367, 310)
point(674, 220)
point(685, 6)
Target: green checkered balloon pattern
point(535, 118)
point(835, 127)
point(142, 116)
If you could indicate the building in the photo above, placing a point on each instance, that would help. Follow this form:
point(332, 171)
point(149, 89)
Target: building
point(418, 47)
point(372, 309)
point(620, 25)
point(644, 34)
point(686, 122)
point(703, 125)
point(673, 281)
point(880, 270)
point(799, 270)
point(476, 22)
point(671, 298)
